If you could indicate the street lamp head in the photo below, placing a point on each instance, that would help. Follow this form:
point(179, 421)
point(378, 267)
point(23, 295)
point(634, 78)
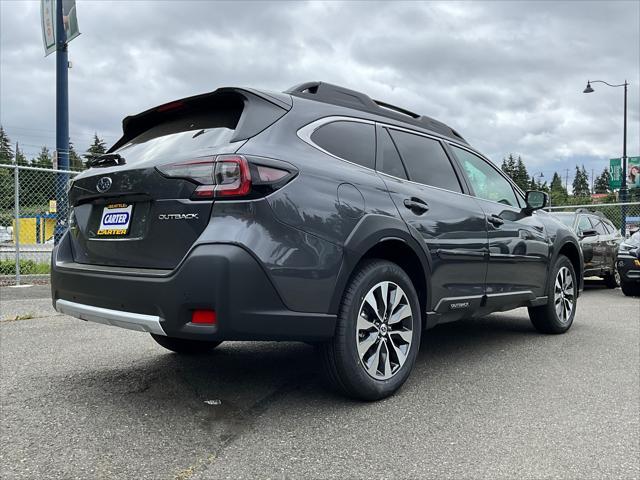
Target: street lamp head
point(588, 89)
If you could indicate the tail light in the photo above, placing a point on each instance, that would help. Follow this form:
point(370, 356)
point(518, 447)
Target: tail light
point(231, 176)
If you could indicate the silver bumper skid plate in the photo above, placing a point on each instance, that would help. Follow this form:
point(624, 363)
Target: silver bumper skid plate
point(116, 318)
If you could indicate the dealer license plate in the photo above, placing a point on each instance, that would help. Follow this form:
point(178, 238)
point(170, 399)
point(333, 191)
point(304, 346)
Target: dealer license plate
point(115, 220)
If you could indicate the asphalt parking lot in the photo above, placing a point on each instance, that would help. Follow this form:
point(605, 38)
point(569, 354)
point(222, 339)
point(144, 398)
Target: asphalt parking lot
point(489, 398)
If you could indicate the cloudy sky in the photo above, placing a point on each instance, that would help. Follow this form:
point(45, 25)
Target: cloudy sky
point(508, 75)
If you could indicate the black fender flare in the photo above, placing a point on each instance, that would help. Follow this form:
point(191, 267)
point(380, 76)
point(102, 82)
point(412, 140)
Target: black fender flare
point(370, 231)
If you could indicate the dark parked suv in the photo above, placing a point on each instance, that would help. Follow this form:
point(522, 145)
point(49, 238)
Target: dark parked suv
point(599, 240)
point(316, 215)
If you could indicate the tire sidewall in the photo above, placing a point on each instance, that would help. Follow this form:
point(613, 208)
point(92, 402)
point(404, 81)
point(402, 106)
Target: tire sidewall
point(374, 388)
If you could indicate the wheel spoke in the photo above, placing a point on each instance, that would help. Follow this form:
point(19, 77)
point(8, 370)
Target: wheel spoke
point(384, 296)
point(365, 345)
point(399, 355)
point(405, 335)
point(387, 361)
point(401, 314)
point(374, 361)
point(370, 299)
point(364, 323)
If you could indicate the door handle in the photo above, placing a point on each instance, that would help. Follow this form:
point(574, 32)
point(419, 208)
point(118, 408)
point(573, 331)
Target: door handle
point(416, 205)
point(495, 220)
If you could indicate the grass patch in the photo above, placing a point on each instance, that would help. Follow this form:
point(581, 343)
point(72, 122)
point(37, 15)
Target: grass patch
point(27, 267)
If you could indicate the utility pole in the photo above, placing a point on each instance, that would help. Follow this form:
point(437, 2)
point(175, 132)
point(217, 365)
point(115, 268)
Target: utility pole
point(62, 122)
point(592, 192)
point(566, 180)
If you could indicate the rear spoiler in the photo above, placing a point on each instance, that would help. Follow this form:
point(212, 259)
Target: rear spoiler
point(259, 110)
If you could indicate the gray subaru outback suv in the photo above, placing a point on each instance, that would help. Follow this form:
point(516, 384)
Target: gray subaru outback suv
point(315, 215)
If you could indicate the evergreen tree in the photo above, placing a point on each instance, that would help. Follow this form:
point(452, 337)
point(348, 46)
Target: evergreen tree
point(6, 153)
point(6, 180)
point(581, 183)
point(75, 162)
point(43, 160)
point(533, 185)
point(98, 147)
point(20, 157)
point(601, 183)
point(521, 176)
point(509, 166)
point(557, 192)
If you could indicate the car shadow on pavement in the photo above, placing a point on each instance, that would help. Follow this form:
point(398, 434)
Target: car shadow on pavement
point(242, 373)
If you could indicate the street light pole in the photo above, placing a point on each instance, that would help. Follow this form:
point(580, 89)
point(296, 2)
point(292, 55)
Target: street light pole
point(623, 177)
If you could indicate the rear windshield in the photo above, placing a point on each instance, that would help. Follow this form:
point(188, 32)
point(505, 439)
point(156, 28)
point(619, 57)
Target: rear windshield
point(566, 218)
point(183, 132)
point(174, 139)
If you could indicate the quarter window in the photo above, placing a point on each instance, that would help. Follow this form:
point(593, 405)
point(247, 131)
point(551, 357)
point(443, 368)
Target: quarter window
point(426, 161)
point(352, 141)
point(584, 224)
point(388, 159)
point(600, 228)
point(487, 183)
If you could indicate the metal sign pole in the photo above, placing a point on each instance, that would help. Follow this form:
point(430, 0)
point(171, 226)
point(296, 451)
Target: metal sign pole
point(16, 229)
point(62, 122)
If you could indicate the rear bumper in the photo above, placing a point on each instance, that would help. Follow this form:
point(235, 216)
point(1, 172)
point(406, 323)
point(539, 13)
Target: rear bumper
point(221, 277)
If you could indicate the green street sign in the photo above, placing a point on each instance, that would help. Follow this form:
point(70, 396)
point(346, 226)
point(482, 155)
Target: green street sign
point(632, 173)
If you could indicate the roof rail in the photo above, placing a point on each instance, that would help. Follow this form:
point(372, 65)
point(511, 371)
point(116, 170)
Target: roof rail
point(336, 95)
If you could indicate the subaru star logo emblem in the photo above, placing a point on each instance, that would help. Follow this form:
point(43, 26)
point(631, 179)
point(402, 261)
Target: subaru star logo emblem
point(104, 184)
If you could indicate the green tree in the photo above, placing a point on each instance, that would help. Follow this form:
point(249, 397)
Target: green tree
point(581, 183)
point(557, 192)
point(20, 157)
point(6, 180)
point(43, 160)
point(75, 162)
point(6, 153)
point(98, 147)
point(601, 183)
point(509, 166)
point(521, 176)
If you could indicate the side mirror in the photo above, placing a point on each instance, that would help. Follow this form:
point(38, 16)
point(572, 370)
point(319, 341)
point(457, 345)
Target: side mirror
point(536, 200)
point(588, 233)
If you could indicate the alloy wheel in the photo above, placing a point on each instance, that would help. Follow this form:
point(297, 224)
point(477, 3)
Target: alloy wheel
point(564, 294)
point(384, 330)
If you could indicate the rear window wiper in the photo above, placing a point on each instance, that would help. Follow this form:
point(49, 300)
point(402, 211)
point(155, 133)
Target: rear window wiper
point(106, 160)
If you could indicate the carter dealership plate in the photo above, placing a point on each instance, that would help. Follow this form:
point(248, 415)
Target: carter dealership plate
point(115, 219)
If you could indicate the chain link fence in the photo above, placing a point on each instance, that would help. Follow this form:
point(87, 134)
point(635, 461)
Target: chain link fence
point(615, 212)
point(29, 214)
point(28, 218)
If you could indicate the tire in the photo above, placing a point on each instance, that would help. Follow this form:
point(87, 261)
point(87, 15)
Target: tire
point(184, 346)
point(562, 294)
point(612, 280)
point(373, 353)
point(630, 289)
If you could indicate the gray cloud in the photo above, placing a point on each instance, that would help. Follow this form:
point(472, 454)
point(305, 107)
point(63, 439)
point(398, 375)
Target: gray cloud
point(507, 75)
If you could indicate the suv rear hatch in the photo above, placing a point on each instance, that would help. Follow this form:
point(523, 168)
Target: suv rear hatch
point(127, 212)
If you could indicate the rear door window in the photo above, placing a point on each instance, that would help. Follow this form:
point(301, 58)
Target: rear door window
point(426, 161)
point(352, 141)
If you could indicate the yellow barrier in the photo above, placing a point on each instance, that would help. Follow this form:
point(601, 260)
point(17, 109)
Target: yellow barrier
point(35, 230)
